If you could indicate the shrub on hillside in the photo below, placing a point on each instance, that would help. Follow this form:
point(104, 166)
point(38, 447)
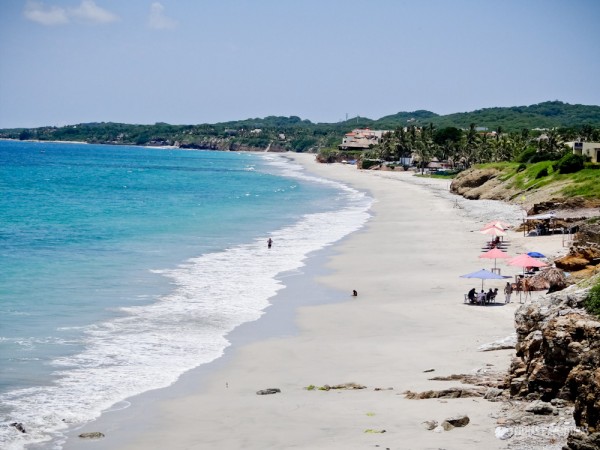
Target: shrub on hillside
point(532, 155)
point(521, 167)
point(526, 155)
point(542, 173)
point(368, 163)
point(592, 302)
point(541, 156)
point(570, 163)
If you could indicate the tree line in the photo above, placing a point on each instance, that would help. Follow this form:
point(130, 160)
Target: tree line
point(295, 134)
point(463, 148)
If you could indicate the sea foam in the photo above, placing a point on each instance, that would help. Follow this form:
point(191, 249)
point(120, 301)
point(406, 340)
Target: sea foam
point(151, 346)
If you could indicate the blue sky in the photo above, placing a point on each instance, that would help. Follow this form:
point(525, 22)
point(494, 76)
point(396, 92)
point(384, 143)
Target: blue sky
point(205, 61)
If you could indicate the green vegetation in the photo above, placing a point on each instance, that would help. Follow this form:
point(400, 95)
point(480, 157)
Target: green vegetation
point(515, 126)
point(523, 177)
point(527, 156)
point(592, 302)
point(584, 183)
point(570, 163)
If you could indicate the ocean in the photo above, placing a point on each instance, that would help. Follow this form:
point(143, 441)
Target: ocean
point(123, 267)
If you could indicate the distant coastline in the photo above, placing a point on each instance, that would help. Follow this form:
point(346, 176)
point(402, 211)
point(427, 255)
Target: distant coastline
point(277, 133)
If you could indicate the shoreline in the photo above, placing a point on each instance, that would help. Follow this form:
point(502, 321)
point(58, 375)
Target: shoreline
point(408, 318)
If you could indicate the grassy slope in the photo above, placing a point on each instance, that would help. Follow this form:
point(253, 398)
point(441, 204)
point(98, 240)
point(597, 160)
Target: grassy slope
point(585, 183)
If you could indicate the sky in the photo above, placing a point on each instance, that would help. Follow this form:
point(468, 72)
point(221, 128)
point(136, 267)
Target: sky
point(65, 62)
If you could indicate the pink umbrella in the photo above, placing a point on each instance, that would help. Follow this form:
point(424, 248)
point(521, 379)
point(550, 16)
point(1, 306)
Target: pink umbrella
point(497, 223)
point(494, 254)
point(525, 260)
point(493, 231)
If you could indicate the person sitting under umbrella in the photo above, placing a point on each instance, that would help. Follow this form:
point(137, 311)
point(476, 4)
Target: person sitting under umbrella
point(471, 295)
point(481, 297)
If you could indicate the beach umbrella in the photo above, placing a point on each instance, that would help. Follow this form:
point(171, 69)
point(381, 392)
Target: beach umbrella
point(554, 277)
point(536, 255)
point(493, 231)
point(526, 261)
point(551, 278)
point(484, 275)
point(494, 254)
point(497, 223)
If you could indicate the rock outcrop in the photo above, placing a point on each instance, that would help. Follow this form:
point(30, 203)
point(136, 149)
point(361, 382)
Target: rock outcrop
point(225, 144)
point(583, 259)
point(558, 356)
point(495, 184)
point(480, 184)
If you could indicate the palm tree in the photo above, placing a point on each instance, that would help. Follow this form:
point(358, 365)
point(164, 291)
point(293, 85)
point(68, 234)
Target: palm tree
point(505, 148)
point(587, 132)
point(485, 152)
point(470, 146)
point(554, 144)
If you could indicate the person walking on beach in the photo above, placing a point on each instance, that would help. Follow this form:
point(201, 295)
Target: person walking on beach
point(269, 243)
point(507, 292)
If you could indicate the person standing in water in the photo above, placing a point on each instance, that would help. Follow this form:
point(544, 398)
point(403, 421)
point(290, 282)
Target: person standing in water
point(269, 243)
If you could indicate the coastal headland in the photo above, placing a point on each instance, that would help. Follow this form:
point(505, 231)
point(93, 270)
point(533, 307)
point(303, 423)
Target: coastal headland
point(344, 369)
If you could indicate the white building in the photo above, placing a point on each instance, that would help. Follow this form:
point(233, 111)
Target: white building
point(362, 138)
point(590, 150)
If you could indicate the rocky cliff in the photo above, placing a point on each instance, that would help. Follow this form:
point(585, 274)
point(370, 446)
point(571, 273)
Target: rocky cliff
point(558, 359)
point(229, 145)
point(558, 343)
point(494, 184)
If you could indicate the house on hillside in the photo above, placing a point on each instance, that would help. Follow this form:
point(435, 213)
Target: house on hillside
point(590, 150)
point(361, 139)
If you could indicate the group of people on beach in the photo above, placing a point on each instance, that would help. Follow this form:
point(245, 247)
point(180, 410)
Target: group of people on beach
point(483, 297)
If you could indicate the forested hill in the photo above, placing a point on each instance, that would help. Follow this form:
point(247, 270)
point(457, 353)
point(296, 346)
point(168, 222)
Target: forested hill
point(293, 133)
point(543, 115)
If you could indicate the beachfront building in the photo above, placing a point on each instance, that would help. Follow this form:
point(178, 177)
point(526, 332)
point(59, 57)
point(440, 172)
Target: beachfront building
point(362, 139)
point(590, 150)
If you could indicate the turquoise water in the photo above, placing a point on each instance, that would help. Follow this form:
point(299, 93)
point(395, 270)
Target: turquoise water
point(123, 267)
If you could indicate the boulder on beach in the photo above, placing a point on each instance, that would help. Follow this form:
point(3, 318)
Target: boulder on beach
point(92, 435)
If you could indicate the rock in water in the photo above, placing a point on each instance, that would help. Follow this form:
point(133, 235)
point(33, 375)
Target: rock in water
point(92, 435)
point(19, 426)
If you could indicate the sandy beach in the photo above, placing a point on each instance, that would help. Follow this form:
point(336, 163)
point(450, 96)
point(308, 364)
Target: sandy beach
point(408, 318)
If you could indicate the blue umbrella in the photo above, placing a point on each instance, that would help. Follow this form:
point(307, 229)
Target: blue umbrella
point(484, 275)
point(536, 255)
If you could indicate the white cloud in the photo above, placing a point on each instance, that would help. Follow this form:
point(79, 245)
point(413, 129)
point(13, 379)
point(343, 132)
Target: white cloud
point(88, 11)
point(158, 20)
point(51, 15)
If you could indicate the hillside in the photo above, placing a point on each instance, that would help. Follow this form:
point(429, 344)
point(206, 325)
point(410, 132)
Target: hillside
point(534, 193)
point(543, 115)
point(292, 133)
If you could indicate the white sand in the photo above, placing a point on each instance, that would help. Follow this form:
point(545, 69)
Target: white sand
point(409, 316)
